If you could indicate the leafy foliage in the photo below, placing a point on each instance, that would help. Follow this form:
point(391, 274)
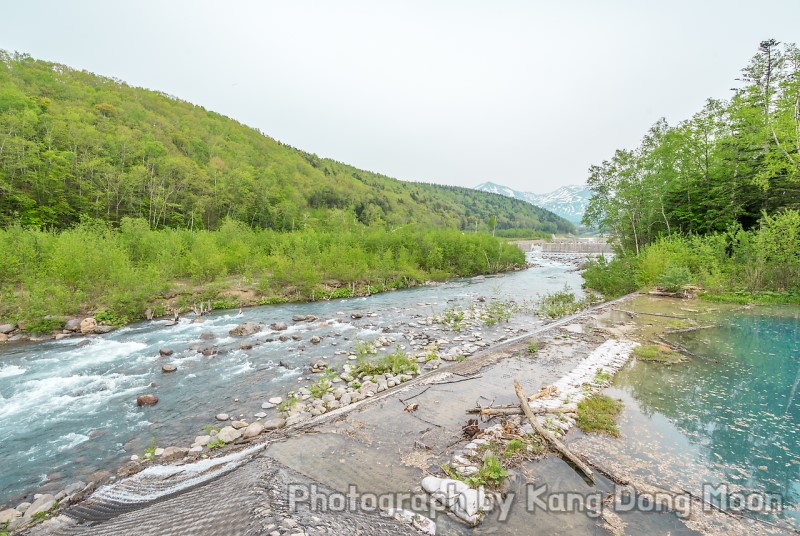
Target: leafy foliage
point(75, 144)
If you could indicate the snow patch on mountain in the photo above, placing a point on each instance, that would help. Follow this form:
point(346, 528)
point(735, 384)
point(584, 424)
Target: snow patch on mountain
point(569, 202)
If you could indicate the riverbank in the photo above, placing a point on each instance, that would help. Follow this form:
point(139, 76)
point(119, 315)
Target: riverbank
point(382, 448)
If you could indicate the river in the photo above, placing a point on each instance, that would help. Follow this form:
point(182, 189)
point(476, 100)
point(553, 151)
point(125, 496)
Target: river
point(67, 408)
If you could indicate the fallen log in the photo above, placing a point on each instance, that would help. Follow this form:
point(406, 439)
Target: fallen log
point(681, 350)
point(687, 330)
point(544, 392)
point(558, 445)
point(514, 410)
point(634, 313)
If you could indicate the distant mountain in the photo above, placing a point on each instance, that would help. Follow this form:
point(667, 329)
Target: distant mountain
point(569, 202)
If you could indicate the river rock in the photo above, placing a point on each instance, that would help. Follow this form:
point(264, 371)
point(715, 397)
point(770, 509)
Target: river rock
point(102, 330)
point(42, 504)
point(88, 325)
point(5, 329)
point(174, 453)
point(3, 337)
point(21, 507)
point(278, 326)
point(274, 424)
point(75, 486)
point(239, 424)
point(229, 434)
point(267, 405)
point(201, 440)
point(73, 324)
point(8, 514)
point(253, 430)
point(244, 329)
point(222, 416)
point(168, 368)
point(315, 340)
point(166, 352)
point(146, 400)
point(318, 365)
point(298, 418)
point(275, 400)
point(356, 316)
point(245, 346)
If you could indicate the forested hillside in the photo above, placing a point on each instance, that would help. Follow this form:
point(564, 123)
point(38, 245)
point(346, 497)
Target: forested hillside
point(714, 199)
point(73, 143)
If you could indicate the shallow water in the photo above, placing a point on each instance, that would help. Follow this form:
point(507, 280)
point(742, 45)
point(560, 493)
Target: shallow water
point(732, 419)
point(68, 411)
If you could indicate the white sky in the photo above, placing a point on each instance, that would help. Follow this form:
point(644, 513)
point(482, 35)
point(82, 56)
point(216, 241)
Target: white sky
point(526, 94)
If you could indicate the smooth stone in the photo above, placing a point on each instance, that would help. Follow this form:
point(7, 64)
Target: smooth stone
point(88, 325)
point(315, 340)
point(279, 326)
point(202, 440)
point(229, 434)
point(345, 399)
point(298, 418)
point(159, 451)
point(260, 415)
point(8, 514)
point(197, 448)
point(75, 486)
point(102, 330)
point(275, 400)
point(222, 416)
point(146, 400)
point(22, 507)
point(240, 424)
point(245, 346)
point(174, 453)
point(5, 329)
point(168, 368)
point(166, 352)
point(274, 424)
point(134, 457)
point(244, 329)
point(73, 324)
point(267, 405)
point(252, 430)
point(42, 504)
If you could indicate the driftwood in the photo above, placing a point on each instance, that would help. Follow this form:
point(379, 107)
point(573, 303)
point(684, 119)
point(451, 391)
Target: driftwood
point(681, 350)
point(558, 445)
point(544, 392)
point(513, 410)
point(687, 330)
point(634, 313)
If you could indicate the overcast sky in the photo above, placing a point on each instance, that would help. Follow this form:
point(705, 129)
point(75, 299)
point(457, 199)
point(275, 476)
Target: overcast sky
point(526, 94)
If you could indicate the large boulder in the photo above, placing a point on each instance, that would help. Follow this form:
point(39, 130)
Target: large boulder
point(146, 400)
point(73, 324)
point(244, 329)
point(253, 430)
point(174, 453)
point(7, 515)
point(229, 434)
point(42, 504)
point(88, 325)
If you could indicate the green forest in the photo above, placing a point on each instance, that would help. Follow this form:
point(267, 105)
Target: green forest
point(73, 143)
point(116, 199)
point(713, 200)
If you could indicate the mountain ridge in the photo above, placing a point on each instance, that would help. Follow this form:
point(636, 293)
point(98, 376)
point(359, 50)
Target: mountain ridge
point(77, 144)
point(569, 201)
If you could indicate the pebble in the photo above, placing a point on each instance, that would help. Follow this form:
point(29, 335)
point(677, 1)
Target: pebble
point(275, 400)
point(222, 416)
